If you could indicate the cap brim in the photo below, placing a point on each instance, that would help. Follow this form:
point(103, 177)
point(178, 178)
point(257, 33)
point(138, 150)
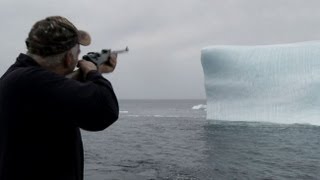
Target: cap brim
point(84, 38)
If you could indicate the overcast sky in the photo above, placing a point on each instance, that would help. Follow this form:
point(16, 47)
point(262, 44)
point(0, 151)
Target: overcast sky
point(164, 37)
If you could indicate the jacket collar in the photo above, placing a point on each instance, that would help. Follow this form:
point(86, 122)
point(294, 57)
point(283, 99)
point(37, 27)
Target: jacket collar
point(25, 60)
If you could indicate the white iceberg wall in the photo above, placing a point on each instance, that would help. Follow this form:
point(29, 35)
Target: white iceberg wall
point(271, 83)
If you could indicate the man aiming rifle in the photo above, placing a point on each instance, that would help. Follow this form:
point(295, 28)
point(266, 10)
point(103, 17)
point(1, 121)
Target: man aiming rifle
point(42, 111)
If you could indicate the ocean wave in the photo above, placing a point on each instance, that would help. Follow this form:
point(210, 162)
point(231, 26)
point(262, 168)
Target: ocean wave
point(124, 112)
point(162, 116)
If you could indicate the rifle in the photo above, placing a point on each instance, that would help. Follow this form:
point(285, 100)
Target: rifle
point(97, 59)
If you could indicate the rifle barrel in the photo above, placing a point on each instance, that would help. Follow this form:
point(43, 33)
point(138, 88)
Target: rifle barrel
point(121, 51)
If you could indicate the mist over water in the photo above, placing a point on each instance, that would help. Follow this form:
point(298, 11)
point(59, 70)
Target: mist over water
point(270, 83)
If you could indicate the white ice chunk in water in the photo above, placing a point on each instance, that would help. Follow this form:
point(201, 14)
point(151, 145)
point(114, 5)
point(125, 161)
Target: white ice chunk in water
point(199, 106)
point(272, 83)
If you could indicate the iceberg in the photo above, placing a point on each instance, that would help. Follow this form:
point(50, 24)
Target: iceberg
point(265, 83)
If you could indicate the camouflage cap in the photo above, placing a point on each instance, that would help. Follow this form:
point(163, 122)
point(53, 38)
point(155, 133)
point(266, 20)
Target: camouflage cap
point(55, 35)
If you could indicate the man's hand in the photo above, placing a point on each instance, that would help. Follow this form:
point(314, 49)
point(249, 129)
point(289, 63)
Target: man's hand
point(86, 66)
point(110, 65)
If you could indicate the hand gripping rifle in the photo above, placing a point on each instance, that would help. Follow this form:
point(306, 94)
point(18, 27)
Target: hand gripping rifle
point(97, 59)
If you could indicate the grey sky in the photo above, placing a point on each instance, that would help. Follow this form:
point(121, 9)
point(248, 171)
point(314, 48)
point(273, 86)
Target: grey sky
point(164, 37)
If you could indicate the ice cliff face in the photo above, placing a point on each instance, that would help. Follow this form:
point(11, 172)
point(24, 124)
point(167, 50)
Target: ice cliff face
point(272, 83)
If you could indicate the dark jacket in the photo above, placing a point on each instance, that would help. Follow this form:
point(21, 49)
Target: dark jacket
point(40, 116)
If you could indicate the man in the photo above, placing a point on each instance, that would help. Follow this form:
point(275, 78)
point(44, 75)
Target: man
point(41, 110)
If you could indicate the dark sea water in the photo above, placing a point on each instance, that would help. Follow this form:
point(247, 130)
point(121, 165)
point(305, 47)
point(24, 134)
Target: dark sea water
point(167, 139)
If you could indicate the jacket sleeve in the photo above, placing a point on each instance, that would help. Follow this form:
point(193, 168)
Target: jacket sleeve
point(91, 105)
point(104, 108)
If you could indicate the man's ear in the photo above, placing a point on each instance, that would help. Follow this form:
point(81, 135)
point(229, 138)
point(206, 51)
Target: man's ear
point(68, 59)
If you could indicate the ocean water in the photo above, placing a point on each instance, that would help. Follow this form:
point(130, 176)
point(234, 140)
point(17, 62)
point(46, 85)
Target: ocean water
point(171, 139)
